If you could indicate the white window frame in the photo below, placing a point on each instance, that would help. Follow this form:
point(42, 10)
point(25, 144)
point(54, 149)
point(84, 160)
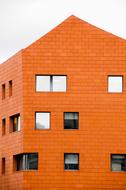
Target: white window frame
point(51, 83)
point(49, 121)
point(116, 89)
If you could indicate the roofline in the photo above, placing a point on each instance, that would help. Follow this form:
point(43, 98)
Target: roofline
point(71, 16)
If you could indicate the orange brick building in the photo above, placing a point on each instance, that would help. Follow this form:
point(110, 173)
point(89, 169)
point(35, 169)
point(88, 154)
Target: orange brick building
point(63, 112)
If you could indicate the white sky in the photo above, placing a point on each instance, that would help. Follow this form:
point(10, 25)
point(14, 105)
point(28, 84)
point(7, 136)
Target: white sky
point(24, 21)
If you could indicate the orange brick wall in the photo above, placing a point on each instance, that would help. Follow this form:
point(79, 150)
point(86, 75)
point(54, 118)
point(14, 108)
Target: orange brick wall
point(11, 143)
point(87, 55)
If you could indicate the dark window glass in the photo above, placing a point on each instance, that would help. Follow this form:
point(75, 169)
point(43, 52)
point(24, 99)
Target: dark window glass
point(3, 126)
point(71, 161)
point(3, 91)
point(3, 165)
point(118, 162)
point(26, 161)
point(71, 120)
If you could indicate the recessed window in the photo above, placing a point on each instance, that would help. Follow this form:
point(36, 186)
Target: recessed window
point(10, 88)
point(50, 83)
point(118, 162)
point(28, 161)
point(71, 161)
point(115, 84)
point(3, 91)
point(42, 120)
point(15, 123)
point(71, 120)
point(3, 166)
point(3, 126)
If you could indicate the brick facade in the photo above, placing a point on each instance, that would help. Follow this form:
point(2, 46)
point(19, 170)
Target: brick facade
point(87, 55)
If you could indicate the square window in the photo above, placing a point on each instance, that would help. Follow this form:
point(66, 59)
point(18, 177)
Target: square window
point(59, 83)
point(15, 123)
point(115, 84)
point(71, 120)
point(42, 83)
point(118, 162)
point(27, 161)
point(71, 161)
point(42, 120)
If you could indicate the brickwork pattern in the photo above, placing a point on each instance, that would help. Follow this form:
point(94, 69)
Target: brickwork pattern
point(87, 55)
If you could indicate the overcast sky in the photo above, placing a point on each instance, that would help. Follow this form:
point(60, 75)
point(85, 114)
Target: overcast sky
point(24, 21)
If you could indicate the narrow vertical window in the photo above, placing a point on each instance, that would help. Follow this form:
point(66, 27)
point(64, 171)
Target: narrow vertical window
point(3, 91)
point(10, 88)
point(3, 126)
point(71, 120)
point(3, 166)
point(15, 123)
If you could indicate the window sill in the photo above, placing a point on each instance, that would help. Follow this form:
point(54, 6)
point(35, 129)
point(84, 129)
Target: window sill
point(71, 170)
point(118, 171)
point(14, 132)
point(25, 171)
point(43, 129)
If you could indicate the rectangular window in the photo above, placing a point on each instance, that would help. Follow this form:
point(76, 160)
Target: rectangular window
point(71, 161)
point(15, 123)
point(42, 120)
point(3, 126)
point(59, 83)
point(3, 91)
point(50, 83)
point(115, 84)
point(118, 162)
point(10, 88)
point(71, 120)
point(43, 83)
point(3, 166)
point(27, 161)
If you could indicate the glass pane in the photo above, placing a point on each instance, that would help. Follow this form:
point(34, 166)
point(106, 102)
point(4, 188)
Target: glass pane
point(118, 163)
point(42, 120)
point(43, 83)
point(71, 115)
point(71, 158)
point(33, 161)
point(71, 166)
point(16, 123)
point(20, 162)
point(27, 161)
point(115, 84)
point(118, 156)
point(59, 83)
point(71, 121)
